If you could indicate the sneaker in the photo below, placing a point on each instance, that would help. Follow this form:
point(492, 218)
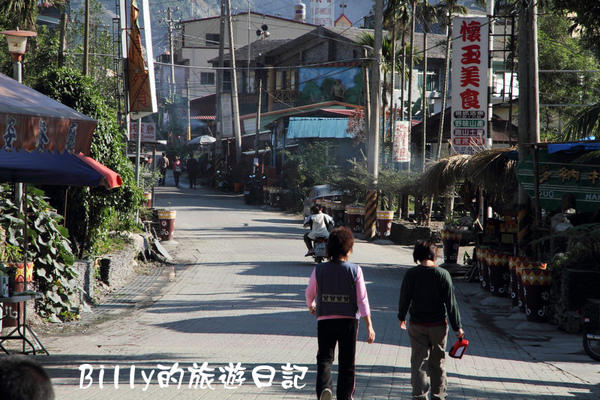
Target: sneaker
point(326, 394)
point(310, 253)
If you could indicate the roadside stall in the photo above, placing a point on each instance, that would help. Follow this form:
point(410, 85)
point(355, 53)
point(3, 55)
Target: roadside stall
point(43, 142)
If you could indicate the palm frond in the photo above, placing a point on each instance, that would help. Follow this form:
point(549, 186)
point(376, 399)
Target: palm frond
point(493, 171)
point(584, 124)
point(441, 176)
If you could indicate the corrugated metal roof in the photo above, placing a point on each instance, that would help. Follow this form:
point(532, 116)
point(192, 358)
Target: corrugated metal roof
point(325, 128)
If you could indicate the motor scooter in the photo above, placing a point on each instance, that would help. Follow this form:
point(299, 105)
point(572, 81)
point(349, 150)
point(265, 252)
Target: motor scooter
point(591, 329)
point(320, 249)
point(253, 190)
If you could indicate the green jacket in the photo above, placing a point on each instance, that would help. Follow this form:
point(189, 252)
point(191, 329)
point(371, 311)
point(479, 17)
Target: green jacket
point(427, 294)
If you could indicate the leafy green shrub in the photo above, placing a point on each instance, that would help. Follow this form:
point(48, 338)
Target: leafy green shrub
point(93, 212)
point(48, 247)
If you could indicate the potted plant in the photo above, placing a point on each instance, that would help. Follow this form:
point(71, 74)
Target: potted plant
point(451, 236)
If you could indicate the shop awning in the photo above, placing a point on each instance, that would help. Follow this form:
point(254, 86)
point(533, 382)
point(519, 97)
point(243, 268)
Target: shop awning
point(55, 169)
point(31, 121)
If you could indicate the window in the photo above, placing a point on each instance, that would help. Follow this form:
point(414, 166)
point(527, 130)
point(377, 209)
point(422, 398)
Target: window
point(432, 81)
point(207, 78)
point(285, 79)
point(248, 81)
point(213, 39)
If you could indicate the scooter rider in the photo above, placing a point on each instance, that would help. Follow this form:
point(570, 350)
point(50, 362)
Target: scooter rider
point(319, 225)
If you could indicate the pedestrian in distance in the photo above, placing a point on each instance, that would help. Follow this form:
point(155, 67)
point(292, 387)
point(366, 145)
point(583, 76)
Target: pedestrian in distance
point(427, 294)
point(337, 295)
point(176, 170)
point(163, 164)
point(192, 167)
point(23, 378)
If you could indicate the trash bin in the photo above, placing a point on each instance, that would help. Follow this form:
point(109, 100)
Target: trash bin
point(451, 242)
point(354, 218)
point(16, 274)
point(327, 207)
point(274, 196)
point(536, 288)
point(166, 219)
point(148, 197)
point(499, 274)
point(484, 272)
point(513, 288)
point(266, 194)
point(384, 223)
point(337, 209)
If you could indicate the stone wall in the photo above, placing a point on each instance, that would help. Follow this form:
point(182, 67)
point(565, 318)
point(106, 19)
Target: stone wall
point(111, 270)
point(408, 234)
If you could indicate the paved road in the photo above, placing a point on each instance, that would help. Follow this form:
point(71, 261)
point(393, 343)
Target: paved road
point(237, 301)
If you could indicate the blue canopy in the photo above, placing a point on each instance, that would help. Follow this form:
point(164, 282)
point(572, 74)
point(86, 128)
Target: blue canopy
point(55, 169)
point(573, 147)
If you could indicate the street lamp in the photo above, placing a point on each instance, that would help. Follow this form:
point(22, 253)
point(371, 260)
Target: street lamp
point(17, 44)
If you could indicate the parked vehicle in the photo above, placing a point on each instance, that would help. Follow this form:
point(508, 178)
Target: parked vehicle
point(253, 190)
point(591, 329)
point(319, 192)
point(320, 249)
point(223, 180)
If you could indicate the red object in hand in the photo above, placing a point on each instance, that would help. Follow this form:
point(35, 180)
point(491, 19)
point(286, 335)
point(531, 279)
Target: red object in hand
point(459, 348)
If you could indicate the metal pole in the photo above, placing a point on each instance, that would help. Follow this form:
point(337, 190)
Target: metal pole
point(138, 146)
point(258, 107)
point(18, 76)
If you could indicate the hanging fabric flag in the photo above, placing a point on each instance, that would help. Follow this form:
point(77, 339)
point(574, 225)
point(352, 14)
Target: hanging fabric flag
point(139, 83)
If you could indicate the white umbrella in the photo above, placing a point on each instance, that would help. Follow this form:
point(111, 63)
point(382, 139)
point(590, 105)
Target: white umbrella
point(204, 139)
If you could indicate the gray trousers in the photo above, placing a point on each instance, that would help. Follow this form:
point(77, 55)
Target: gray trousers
point(427, 361)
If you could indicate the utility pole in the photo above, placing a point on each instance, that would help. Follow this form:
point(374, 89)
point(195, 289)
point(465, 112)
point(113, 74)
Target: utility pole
point(235, 107)
point(424, 104)
point(171, 24)
point(528, 108)
point(411, 66)
point(219, 134)
point(86, 39)
point(374, 125)
point(62, 48)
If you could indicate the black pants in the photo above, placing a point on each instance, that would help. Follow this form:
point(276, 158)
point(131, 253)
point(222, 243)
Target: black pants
point(192, 178)
point(330, 332)
point(308, 241)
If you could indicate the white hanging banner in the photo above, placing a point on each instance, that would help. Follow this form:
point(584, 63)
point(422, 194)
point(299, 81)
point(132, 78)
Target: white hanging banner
point(470, 49)
point(401, 143)
point(321, 12)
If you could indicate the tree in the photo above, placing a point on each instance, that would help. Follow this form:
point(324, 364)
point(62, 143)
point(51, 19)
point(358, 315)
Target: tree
point(583, 15)
point(22, 13)
point(93, 212)
point(565, 91)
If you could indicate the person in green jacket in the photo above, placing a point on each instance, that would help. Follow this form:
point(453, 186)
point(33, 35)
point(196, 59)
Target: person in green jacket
point(427, 294)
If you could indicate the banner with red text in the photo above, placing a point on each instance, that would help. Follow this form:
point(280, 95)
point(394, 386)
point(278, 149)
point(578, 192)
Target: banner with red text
point(470, 49)
point(401, 142)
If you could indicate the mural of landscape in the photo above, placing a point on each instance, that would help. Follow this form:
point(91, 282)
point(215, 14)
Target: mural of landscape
point(344, 84)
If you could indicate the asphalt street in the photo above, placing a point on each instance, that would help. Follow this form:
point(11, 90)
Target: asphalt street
point(231, 323)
